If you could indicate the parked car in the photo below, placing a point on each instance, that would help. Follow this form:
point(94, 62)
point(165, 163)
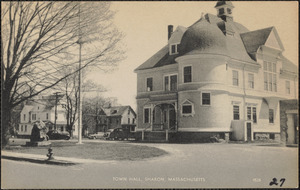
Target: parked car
point(56, 135)
point(117, 133)
point(99, 135)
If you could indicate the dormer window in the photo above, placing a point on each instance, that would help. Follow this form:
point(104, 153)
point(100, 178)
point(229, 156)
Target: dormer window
point(187, 108)
point(173, 49)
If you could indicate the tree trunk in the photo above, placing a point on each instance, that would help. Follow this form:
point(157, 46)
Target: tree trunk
point(6, 110)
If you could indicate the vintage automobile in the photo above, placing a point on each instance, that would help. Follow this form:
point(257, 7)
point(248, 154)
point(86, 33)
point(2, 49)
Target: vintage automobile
point(99, 135)
point(118, 134)
point(56, 135)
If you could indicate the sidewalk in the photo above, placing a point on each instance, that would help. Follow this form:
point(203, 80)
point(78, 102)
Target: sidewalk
point(42, 159)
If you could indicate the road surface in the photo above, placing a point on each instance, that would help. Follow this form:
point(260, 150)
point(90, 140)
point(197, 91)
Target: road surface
point(186, 166)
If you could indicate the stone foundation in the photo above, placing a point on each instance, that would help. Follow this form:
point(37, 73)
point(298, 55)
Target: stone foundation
point(200, 137)
point(267, 136)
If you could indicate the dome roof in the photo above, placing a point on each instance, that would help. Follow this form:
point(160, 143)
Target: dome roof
point(203, 37)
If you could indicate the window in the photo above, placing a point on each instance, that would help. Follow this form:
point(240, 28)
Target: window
point(47, 116)
point(24, 117)
point(171, 83)
point(133, 120)
point(128, 120)
point(251, 114)
point(149, 84)
point(187, 108)
point(173, 49)
point(229, 11)
point(33, 116)
point(147, 115)
point(251, 80)
point(271, 116)
point(235, 78)
point(205, 98)
point(25, 128)
point(248, 113)
point(254, 117)
point(236, 113)
point(21, 127)
point(128, 113)
point(187, 74)
point(62, 128)
point(270, 76)
point(221, 11)
point(287, 87)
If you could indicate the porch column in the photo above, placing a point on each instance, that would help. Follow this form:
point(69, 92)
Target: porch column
point(176, 113)
point(151, 116)
point(167, 135)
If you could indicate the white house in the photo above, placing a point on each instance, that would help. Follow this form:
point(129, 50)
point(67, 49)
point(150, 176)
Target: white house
point(42, 108)
point(215, 78)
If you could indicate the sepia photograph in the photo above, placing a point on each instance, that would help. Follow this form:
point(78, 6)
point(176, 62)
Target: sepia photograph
point(149, 94)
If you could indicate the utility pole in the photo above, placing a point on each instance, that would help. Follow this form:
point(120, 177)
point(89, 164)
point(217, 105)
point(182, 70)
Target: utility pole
point(79, 86)
point(56, 100)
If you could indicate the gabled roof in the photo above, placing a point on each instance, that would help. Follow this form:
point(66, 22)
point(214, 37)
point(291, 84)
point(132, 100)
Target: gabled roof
point(254, 39)
point(287, 65)
point(177, 35)
point(117, 111)
point(220, 3)
point(28, 108)
point(151, 62)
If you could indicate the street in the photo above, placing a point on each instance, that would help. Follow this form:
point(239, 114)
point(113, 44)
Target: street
point(186, 166)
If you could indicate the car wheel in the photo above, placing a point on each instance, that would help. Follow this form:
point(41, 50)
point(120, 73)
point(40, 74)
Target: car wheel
point(67, 138)
point(94, 137)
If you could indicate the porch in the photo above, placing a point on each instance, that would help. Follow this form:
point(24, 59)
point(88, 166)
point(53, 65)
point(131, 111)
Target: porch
point(162, 121)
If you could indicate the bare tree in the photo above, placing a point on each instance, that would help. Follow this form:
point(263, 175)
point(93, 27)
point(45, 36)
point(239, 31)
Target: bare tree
point(69, 88)
point(39, 39)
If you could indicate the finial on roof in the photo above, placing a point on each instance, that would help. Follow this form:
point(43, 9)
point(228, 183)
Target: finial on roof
point(202, 15)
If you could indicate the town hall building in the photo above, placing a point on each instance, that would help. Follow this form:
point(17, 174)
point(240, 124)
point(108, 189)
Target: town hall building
point(215, 78)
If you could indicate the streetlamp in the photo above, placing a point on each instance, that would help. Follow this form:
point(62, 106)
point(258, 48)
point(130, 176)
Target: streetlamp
point(79, 86)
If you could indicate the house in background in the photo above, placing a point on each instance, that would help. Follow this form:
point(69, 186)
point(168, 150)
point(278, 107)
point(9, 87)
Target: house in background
point(215, 78)
point(42, 108)
point(94, 122)
point(120, 116)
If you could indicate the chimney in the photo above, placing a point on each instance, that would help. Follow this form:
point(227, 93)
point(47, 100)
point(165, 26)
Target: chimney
point(170, 31)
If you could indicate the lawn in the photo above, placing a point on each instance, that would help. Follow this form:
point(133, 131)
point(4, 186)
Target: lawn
point(91, 150)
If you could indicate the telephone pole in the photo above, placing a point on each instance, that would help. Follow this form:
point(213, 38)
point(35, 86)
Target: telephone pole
point(56, 100)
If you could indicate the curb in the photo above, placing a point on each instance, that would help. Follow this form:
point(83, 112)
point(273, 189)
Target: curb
point(40, 161)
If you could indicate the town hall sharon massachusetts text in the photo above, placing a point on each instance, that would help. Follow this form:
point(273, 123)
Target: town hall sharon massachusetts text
point(215, 78)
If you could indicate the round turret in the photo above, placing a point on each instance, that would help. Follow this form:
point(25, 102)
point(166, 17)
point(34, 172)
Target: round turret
point(203, 37)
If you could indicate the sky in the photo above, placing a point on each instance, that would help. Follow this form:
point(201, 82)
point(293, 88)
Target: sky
point(145, 27)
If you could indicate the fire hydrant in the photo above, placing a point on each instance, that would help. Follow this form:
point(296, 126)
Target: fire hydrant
point(50, 153)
